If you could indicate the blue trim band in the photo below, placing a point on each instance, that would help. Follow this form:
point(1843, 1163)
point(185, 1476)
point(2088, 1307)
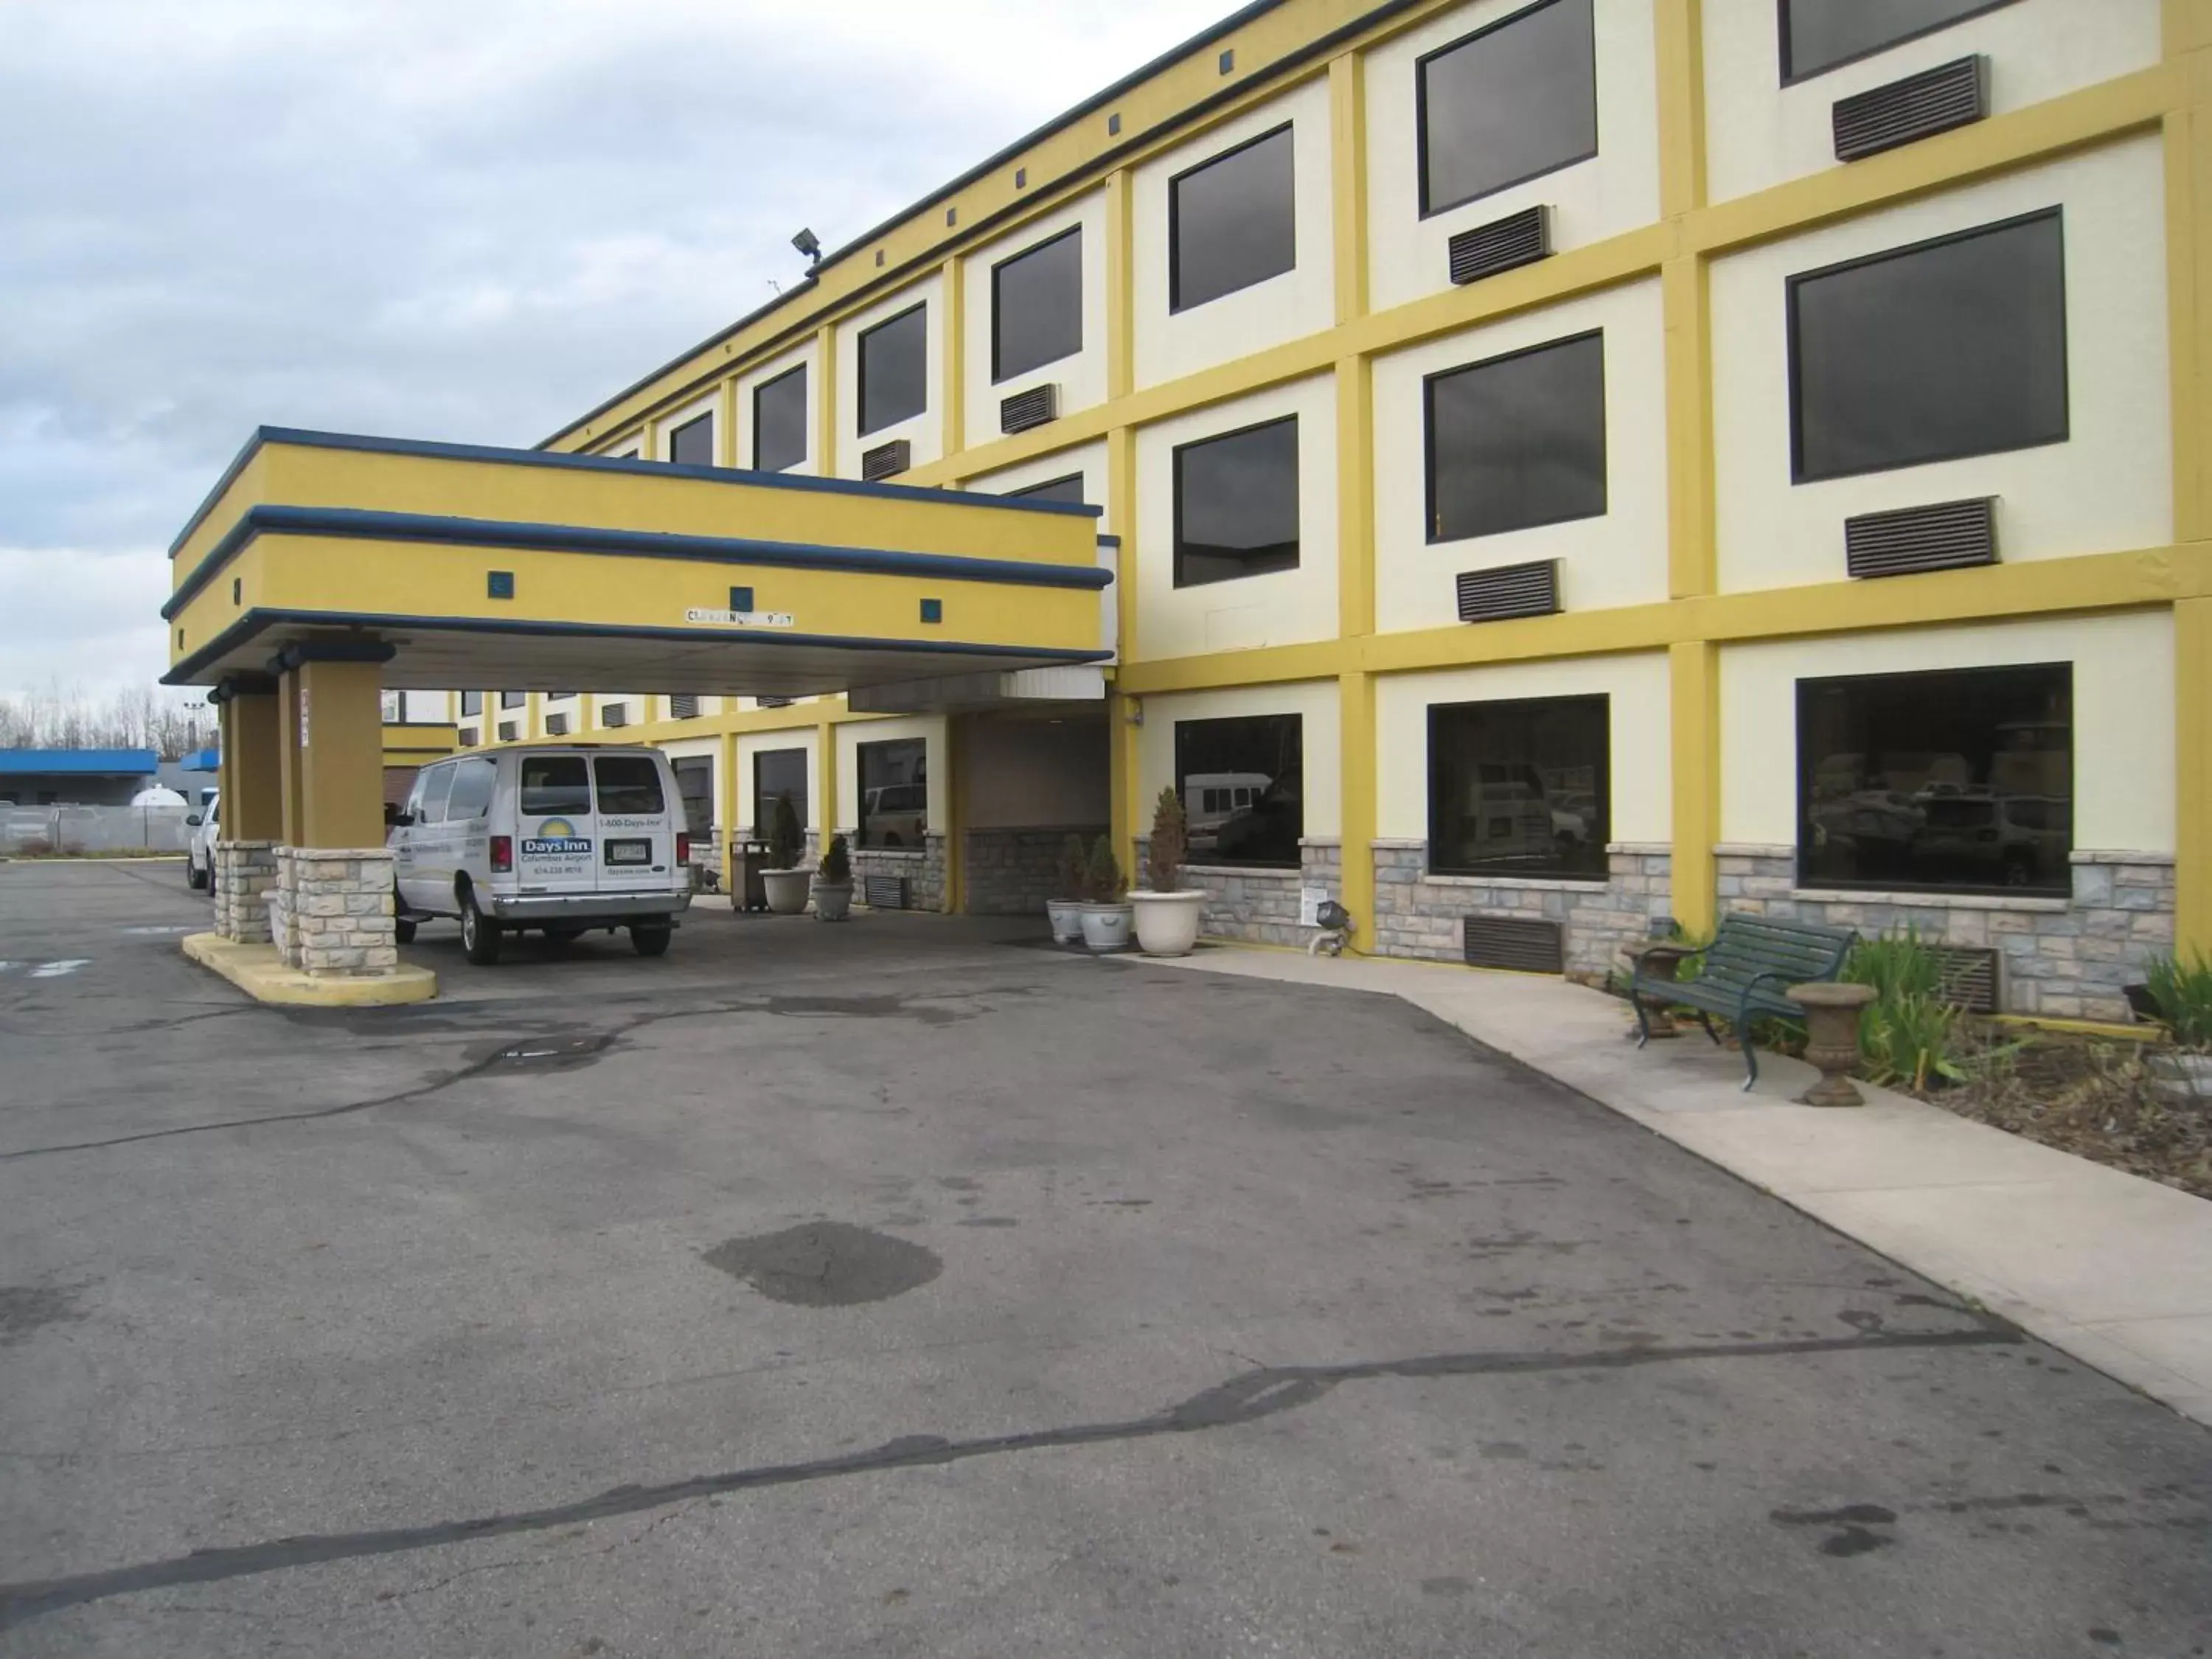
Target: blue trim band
point(365, 524)
point(257, 621)
point(730, 474)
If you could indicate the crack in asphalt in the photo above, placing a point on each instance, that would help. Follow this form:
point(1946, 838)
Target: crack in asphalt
point(1247, 1397)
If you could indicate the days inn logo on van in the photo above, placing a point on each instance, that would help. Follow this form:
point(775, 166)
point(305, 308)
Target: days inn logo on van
point(556, 838)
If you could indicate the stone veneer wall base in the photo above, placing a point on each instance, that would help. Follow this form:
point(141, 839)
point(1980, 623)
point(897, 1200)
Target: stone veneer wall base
point(922, 867)
point(1420, 914)
point(1011, 872)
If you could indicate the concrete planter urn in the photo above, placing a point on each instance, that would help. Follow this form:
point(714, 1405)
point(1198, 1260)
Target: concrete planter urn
point(1106, 926)
point(833, 900)
point(786, 890)
point(1167, 923)
point(1832, 1038)
point(1066, 918)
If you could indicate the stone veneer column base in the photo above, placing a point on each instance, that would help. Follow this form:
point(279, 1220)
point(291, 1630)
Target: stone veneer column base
point(334, 915)
point(245, 870)
point(1420, 914)
point(922, 867)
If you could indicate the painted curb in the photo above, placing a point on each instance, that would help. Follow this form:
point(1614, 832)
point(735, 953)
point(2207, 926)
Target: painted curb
point(255, 970)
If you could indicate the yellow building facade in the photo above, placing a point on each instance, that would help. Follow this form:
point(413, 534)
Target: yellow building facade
point(1568, 465)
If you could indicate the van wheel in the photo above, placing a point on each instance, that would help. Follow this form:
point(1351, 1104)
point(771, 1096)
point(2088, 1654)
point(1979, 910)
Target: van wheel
point(403, 929)
point(480, 934)
point(650, 938)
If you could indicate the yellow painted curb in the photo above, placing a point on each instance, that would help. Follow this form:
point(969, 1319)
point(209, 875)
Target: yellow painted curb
point(255, 970)
point(2154, 1034)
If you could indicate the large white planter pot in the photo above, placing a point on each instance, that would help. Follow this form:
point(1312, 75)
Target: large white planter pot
point(1106, 926)
point(1167, 923)
point(833, 900)
point(1067, 916)
point(786, 890)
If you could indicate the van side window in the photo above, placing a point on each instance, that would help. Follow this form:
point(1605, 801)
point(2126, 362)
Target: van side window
point(472, 791)
point(428, 803)
point(630, 784)
point(555, 783)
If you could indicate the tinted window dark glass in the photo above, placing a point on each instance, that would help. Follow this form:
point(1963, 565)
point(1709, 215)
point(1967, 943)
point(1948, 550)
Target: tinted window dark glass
point(1069, 488)
point(1947, 349)
point(895, 370)
point(1243, 784)
point(694, 783)
point(472, 702)
point(692, 444)
point(513, 699)
point(554, 783)
point(1520, 787)
point(1232, 222)
point(472, 792)
point(1959, 779)
point(1517, 442)
point(894, 793)
point(629, 783)
point(431, 791)
point(1518, 100)
point(1819, 34)
point(779, 772)
point(1236, 505)
point(1037, 306)
point(780, 421)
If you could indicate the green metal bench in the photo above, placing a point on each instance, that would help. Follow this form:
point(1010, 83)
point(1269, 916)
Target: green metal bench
point(1741, 975)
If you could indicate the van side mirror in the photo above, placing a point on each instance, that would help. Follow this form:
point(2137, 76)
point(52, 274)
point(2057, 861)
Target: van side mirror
point(393, 817)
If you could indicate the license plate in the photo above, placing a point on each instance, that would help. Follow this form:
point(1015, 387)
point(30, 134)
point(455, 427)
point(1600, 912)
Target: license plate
point(629, 852)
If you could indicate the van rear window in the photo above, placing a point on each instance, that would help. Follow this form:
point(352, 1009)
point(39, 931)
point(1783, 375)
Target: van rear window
point(630, 784)
point(555, 783)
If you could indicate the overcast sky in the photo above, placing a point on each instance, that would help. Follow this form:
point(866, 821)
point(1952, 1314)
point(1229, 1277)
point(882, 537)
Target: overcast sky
point(454, 219)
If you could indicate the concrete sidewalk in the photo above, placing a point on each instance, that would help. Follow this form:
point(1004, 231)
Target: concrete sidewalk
point(2114, 1269)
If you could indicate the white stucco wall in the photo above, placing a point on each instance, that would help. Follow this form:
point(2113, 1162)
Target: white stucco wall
point(1313, 701)
point(808, 355)
point(2123, 733)
point(1282, 608)
point(925, 432)
point(1619, 558)
point(853, 733)
point(1089, 459)
point(1081, 377)
point(2107, 487)
point(1759, 132)
point(1297, 302)
point(1615, 191)
point(1636, 684)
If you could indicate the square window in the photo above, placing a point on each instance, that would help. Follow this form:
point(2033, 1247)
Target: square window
point(1037, 306)
point(1517, 442)
point(1236, 504)
point(1958, 780)
point(499, 584)
point(779, 422)
point(692, 444)
point(1817, 35)
point(1233, 221)
point(1521, 787)
point(1242, 782)
point(932, 610)
point(472, 702)
point(894, 793)
point(1930, 353)
point(895, 370)
point(741, 598)
point(694, 783)
point(1507, 104)
point(513, 699)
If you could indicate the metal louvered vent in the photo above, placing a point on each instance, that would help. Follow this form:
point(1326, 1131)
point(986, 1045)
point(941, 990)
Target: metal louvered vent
point(614, 713)
point(557, 726)
point(509, 730)
point(1954, 95)
point(1510, 590)
point(1024, 409)
point(774, 702)
point(684, 709)
point(1943, 536)
point(886, 460)
point(1519, 239)
point(1528, 944)
point(1967, 976)
point(883, 892)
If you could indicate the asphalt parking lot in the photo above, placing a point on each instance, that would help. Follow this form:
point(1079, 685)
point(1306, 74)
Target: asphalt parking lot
point(899, 1288)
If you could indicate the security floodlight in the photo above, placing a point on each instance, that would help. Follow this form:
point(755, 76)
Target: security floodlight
point(810, 245)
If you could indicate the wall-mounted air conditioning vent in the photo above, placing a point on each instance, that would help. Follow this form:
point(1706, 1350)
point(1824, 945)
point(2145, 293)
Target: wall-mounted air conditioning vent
point(1510, 590)
point(509, 731)
point(1954, 95)
point(614, 713)
point(883, 892)
point(1967, 976)
point(1944, 537)
point(1529, 945)
point(557, 726)
point(886, 460)
point(1519, 239)
point(1024, 409)
point(774, 702)
point(684, 709)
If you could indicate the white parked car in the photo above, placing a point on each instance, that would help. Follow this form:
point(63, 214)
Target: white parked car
point(561, 838)
point(199, 846)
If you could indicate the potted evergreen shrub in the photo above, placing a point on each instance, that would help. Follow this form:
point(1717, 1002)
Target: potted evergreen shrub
point(1071, 886)
point(832, 883)
point(1106, 912)
point(1167, 912)
point(786, 878)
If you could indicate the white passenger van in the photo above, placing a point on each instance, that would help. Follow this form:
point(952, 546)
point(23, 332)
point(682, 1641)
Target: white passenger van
point(561, 838)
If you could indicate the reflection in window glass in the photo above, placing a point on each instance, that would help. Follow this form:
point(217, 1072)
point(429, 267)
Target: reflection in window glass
point(779, 772)
point(1959, 779)
point(694, 784)
point(1819, 34)
point(1242, 786)
point(1930, 353)
point(1517, 101)
point(1037, 306)
point(779, 422)
point(554, 783)
point(1233, 221)
point(692, 444)
point(472, 792)
point(895, 370)
point(431, 791)
point(472, 702)
point(1236, 504)
point(1520, 788)
point(1069, 488)
point(1517, 442)
point(894, 793)
point(628, 784)
point(513, 699)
